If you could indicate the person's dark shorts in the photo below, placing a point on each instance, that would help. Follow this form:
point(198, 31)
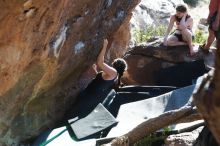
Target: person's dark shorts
point(180, 37)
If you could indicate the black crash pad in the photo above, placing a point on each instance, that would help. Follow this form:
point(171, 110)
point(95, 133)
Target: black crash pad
point(129, 94)
point(140, 111)
point(150, 89)
point(180, 75)
point(99, 119)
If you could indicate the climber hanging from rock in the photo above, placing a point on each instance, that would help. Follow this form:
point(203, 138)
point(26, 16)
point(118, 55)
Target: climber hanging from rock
point(102, 84)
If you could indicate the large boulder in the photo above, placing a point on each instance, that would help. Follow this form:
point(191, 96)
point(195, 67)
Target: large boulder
point(44, 48)
point(148, 64)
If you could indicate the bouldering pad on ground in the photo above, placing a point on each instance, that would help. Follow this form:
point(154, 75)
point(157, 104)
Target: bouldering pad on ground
point(129, 94)
point(138, 112)
point(98, 120)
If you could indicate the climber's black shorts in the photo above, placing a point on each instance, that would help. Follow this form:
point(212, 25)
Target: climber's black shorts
point(180, 37)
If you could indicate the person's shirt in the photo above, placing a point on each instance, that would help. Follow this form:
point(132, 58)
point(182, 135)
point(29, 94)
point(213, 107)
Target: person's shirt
point(177, 19)
point(92, 95)
point(213, 7)
point(98, 86)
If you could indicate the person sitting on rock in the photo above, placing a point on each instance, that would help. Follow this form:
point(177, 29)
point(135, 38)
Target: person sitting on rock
point(213, 20)
point(183, 34)
point(101, 85)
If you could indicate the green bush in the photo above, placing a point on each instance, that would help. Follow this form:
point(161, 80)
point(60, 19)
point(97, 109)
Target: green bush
point(148, 141)
point(200, 37)
point(154, 139)
point(149, 32)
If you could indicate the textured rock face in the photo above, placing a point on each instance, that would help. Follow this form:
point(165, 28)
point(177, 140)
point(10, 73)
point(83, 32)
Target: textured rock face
point(120, 41)
point(44, 48)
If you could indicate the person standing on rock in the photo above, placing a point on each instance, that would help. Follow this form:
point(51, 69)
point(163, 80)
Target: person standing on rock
point(101, 85)
point(183, 34)
point(213, 20)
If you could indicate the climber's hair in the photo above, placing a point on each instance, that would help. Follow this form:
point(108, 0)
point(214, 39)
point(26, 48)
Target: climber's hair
point(181, 8)
point(120, 65)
